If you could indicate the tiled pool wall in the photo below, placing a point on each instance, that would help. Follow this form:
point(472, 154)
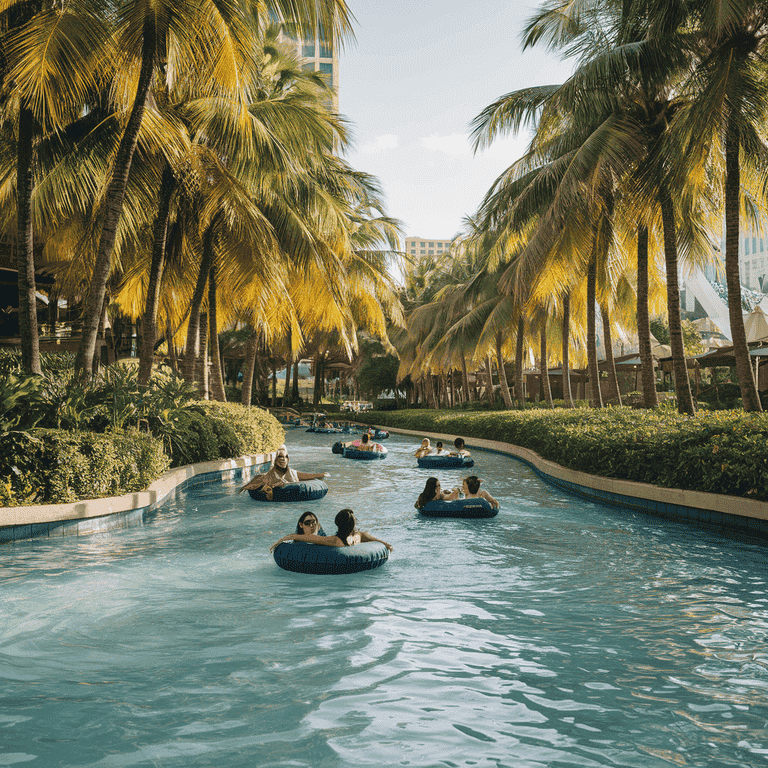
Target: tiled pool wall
point(129, 518)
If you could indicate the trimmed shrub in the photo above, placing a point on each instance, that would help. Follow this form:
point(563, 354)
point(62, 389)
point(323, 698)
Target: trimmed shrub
point(719, 452)
point(69, 466)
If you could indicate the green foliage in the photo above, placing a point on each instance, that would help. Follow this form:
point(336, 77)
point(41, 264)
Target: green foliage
point(22, 403)
point(660, 330)
point(719, 452)
point(50, 362)
point(82, 449)
point(55, 466)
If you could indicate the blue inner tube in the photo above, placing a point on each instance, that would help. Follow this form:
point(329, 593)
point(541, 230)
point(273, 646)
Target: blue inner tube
point(380, 434)
point(459, 508)
point(327, 430)
point(354, 453)
point(304, 490)
point(446, 462)
point(301, 557)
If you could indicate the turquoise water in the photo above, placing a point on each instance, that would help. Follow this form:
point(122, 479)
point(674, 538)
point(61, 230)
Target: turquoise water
point(558, 633)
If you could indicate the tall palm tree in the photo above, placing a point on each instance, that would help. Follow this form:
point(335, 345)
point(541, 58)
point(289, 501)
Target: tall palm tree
point(49, 76)
point(725, 122)
point(170, 35)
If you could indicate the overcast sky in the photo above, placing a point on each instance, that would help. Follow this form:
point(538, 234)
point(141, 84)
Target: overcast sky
point(411, 83)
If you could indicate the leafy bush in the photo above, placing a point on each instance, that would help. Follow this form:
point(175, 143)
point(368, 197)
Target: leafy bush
point(720, 452)
point(66, 466)
point(110, 405)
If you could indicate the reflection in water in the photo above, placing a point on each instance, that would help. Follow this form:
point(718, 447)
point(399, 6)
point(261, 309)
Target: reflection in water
point(556, 634)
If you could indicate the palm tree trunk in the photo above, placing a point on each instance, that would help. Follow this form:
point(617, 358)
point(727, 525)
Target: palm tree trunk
point(251, 348)
point(544, 368)
point(614, 393)
point(465, 378)
point(217, 378)
point(114, 202)
point(319, 380)
point(489, 377)
point(149, 318)
point(191, 351)
point(201, 363)
point(503, 384)
point(682, 384)
point(288, 363)
point(650, 400)
point(295, 385)
point(749, 396)
point(274, 382)
point(25, 253)
point(171, 341)
point(595, 396)
point(567, 395)
point(519, 377)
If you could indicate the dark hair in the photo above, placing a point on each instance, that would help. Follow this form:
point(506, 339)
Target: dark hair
point(345, 524)
point(366, 437)
point(439, 444)
point(459, 442)
point(428, 494)
point(304, 516)
point(473, 483)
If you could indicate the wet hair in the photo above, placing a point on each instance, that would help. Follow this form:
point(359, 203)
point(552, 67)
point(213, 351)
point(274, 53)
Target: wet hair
point(366, 437)
point(428, 494)
point(345, 524)
point(459, 443)
point(473, 483)
point(439, 445)
point(304, 516)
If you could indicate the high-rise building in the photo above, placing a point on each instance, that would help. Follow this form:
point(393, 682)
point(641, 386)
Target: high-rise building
point(418, 246)
point(320, 55)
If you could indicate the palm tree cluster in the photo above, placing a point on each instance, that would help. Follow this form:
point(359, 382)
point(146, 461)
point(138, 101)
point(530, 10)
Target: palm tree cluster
point(634, 162)
point(177, 161)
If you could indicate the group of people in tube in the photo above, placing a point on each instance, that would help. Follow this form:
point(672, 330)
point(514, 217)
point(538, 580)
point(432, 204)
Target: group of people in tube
point(308, 528)
point(364, 444)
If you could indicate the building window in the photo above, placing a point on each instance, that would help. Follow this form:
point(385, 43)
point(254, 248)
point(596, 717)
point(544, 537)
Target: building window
point(309, 66)
point(308, 50)
point(754, 244)
point(326, 68)
point(746, 246)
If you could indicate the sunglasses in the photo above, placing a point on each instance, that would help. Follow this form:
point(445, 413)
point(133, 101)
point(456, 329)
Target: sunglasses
point(281, 456)
point(309, 522)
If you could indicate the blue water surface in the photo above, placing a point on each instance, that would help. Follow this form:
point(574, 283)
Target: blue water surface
point(559, 633)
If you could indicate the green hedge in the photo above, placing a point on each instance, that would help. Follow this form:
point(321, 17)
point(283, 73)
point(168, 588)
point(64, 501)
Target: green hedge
point(51, 466)
point(719, 452)
point(56, 466)
point(221, 430)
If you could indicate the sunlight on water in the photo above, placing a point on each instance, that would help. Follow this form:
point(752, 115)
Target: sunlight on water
point(559, 633)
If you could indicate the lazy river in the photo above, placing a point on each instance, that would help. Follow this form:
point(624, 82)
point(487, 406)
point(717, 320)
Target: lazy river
point(558, 633)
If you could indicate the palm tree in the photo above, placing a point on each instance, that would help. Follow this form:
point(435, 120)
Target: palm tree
point(724, 122)
point(185, 33)
point(49, 76)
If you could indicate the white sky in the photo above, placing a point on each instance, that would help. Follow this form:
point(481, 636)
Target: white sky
point(411, 83)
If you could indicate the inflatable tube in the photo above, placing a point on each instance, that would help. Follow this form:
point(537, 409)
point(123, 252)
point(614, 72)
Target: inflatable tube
point(459, 508)
point(305, 490)
point(380, 434)
point(355, 453)
point(446, 462)
point(327, 430)
point(301, 557)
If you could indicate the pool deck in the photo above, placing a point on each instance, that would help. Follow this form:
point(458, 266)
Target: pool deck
point(730, 514)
